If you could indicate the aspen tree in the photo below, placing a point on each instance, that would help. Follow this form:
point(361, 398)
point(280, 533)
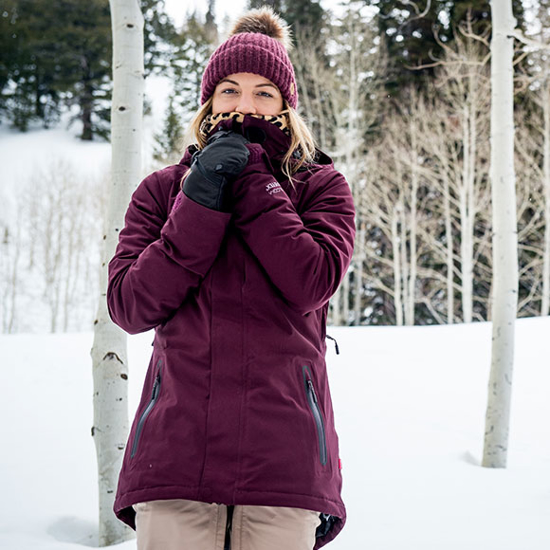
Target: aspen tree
point(545, 305)
point(110, 365)
point(505, 255)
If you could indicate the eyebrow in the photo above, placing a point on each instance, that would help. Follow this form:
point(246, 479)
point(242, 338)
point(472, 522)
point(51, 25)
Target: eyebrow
point(267, 84)
point(257, 86)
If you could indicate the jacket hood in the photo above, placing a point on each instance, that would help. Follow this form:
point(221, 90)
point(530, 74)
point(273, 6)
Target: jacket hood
point(275, 142)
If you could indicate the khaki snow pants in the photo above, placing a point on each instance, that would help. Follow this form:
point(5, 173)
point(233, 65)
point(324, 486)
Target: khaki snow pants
point(191, 525)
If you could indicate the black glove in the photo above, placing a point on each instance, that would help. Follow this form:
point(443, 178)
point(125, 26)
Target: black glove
point(214, 168)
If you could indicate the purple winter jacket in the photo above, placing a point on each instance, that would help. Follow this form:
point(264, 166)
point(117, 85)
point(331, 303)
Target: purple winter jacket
point(236, 407)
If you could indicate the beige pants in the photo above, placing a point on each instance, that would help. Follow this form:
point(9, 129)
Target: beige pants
point(190, 525)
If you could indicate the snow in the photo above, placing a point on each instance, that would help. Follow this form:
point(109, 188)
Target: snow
point(409, 405)
point(23, 155)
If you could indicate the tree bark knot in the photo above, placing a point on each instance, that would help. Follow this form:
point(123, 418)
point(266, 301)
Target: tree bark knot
point(111, 355)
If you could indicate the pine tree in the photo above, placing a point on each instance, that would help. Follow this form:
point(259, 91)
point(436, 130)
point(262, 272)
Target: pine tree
point(159, 34)
point(278, 6)
point(86, 66)
point(169, 141)
point(210, 27)
point(410, 41)
point(412, 32)
point(307, 18)
point(480, 13)
point(28, 64)
point(192, 47)
point(58, 54)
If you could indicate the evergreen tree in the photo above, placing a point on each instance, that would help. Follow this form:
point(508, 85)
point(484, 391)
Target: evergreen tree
point(27, 65)
point(58, 54)
point(412, 32)
point(210, 27)
point(307, 18)
point(159, 34)
point(479, 11)
point(278, 6)
point(409, 39)
point(8, 42)
point(192, 47)
point(169, 141)
point(86, 67)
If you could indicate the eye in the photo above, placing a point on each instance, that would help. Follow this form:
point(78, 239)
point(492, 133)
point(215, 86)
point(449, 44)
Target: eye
point(266, 94)
point(228, 91)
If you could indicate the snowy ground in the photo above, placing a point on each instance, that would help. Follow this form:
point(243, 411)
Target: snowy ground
point(24, 154)
point(409, 404)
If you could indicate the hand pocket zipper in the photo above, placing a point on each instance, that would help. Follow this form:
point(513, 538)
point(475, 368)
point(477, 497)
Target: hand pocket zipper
point(147, 411)
point(316, 412)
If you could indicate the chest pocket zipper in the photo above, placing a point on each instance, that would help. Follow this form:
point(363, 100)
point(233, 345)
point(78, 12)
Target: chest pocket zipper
point(316, 412)
point(147, 411)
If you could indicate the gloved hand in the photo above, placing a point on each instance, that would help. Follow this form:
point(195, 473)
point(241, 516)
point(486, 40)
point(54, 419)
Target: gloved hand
point(214, 168)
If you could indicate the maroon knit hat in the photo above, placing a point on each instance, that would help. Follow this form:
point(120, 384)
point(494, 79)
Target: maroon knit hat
point(257, 45)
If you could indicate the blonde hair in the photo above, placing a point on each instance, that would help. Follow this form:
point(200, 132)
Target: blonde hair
point(302, 146)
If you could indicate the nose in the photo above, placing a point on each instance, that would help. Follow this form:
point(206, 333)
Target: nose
point(246, 104)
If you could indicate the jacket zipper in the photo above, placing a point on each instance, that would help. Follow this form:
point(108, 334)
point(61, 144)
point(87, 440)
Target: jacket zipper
point(228, 527)
point(316, 411)
point(147, 411)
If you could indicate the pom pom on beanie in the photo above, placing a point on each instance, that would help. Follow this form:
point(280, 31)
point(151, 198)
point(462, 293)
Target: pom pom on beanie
point(258, 44)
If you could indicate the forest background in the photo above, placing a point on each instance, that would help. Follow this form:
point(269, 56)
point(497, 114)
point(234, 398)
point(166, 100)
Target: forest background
point(397, 93)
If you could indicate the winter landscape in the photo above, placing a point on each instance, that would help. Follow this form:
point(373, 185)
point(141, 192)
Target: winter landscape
point(410, 401)
point(410, 406)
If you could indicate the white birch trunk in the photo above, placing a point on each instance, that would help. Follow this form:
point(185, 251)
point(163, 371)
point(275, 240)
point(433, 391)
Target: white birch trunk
point(397, 271)
point(449, 251)
point(466, 217)
point(319, 101)
point(359, 276)
point(110, 366)
point(345, 297)
point(545, 306)
point(411, 290)
point(404, 287)
point(301, 64)
point(505, 255)
point(13, 282)
point(351, 150)
point(336, 301)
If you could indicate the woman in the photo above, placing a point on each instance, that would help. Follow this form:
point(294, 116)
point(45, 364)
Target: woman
point(232, 256)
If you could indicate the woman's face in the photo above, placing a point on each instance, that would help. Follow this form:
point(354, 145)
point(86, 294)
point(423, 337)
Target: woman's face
point(247, 93)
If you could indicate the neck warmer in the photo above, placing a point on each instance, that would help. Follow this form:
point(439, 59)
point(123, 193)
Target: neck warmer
point(281, 121)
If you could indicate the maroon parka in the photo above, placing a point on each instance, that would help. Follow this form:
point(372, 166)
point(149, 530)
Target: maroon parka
point(236, 407)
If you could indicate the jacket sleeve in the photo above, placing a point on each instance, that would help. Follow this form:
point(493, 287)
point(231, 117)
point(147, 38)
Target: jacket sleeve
point(306, 255)
point(160, 257)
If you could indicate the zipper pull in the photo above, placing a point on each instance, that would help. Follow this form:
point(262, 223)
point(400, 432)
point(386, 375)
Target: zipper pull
point(335, 344)
point(312, 390)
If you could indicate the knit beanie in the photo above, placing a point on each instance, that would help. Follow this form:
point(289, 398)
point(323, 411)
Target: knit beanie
point(257, 44)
